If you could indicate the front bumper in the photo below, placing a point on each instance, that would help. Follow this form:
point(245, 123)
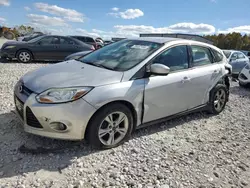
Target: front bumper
point(7, 53)
point(38, 118)
point(244, 76)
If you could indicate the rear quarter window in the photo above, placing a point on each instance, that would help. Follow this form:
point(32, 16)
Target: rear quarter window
point(88, 39)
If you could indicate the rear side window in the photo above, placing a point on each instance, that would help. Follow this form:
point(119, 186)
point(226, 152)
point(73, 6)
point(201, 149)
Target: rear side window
point(88, 39)
point(201, 56)
point(218, 57)
point(67, 41)
point(240, 55)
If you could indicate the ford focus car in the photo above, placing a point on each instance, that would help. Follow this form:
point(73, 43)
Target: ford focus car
point(107, 94)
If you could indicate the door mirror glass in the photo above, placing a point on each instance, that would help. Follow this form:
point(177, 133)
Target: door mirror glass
point(159, 69)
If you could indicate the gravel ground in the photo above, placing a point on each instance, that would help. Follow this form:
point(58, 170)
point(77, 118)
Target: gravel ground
point(198, 150)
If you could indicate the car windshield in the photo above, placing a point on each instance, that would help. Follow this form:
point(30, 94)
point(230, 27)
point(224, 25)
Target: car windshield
point(122, 55)
point(227, 53)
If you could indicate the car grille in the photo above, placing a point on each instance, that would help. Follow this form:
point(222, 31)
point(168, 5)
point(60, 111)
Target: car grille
point(243, 76)
point(31, 119)
point(19, 106)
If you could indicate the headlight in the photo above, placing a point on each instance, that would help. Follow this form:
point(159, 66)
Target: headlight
point(247, 67)
point(9, 47)
point(62, 95)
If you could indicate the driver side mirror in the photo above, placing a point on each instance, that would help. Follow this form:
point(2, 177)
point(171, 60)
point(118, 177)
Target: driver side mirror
point(159, 69)
point(39, 43)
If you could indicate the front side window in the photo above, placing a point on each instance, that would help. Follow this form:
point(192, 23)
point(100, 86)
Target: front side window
point(201, 56)
point(49, 40)
point(122, 55)
point(175, 58)
point(234, 56)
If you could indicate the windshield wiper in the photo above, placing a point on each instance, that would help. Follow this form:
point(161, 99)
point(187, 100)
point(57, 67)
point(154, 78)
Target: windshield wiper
point(98, 65)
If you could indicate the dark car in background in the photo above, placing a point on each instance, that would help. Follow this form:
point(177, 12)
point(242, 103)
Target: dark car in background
point(247, 53)
point(87, 40)
point(48, 47)
point(77, 55)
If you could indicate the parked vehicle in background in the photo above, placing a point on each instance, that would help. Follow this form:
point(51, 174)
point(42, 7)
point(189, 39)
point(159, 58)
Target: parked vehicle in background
point(109, 93)
point(87, 40)
point(77, 55)
point(30, 37)
point(99, 45)
point(247, 53)
point(237, 59)
point(244, 76)
point(106, 42)
point(47, 47)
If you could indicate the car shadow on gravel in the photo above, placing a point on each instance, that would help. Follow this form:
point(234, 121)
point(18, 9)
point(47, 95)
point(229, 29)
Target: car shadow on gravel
point(22, 153)
point(240, 91)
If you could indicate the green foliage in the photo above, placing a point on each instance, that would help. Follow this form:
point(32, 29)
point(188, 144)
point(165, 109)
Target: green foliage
point(234, 41)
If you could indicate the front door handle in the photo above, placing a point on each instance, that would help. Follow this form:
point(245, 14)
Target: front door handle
point(185, 79)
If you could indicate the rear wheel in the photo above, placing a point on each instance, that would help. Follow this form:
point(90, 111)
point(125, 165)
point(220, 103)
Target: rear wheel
point(110, 127)
point(218, 99)
point(24, 56)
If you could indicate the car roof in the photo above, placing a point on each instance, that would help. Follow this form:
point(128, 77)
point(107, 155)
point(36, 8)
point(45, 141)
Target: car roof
point(231, 50)
point(80, 36)
point(160, 40)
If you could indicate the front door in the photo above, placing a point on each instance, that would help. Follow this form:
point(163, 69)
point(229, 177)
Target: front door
point(167, 95)
point(47, 48)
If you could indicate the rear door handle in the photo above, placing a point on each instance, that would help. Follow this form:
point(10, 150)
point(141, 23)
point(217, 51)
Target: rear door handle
point(185, 79)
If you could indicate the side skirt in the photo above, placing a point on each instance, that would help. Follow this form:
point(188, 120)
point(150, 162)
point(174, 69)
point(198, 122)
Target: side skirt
point(193, 110)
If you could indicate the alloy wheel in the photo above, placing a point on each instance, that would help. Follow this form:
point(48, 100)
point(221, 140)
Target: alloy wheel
point(24, 57)
point(113, 128)
point(220, 100)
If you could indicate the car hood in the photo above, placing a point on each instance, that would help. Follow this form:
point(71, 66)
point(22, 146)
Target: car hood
point(69, 74)
point(82, 53)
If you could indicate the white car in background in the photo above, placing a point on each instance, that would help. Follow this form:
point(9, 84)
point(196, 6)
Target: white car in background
point(244, 77)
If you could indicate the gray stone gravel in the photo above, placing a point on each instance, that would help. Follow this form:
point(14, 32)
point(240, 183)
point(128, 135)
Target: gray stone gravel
point(198, 150)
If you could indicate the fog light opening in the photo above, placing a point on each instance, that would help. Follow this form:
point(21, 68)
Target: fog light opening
point(58, 126)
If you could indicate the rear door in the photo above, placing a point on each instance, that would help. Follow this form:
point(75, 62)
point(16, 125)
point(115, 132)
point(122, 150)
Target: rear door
point(67, 47)
point(203, 74)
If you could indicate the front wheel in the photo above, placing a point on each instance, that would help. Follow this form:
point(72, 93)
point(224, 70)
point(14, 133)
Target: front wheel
point(218, 99)
point(110, 127)
point(24, 56)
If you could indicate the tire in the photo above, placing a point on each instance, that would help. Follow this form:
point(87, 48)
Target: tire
point(100, 131)
point(218, 99)
point(24, 56)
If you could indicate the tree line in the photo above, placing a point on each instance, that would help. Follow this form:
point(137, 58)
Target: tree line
point(234, 41)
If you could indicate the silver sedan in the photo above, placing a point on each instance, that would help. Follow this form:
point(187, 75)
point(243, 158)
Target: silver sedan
point(109, 93)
